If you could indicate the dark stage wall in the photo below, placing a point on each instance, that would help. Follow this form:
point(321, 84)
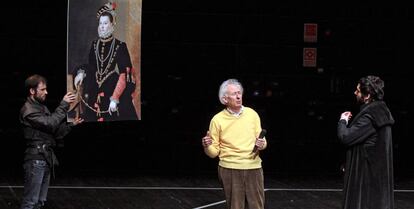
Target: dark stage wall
point(188, 49)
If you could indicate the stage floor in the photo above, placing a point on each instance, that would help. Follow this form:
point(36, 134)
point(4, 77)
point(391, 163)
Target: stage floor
point(100, 191)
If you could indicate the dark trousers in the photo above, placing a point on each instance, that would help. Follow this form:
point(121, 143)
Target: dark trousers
point(36, 183)
point(242, 187)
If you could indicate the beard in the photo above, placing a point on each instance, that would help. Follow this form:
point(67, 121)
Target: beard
point(360, 100)
point(106, 33)
point(40, 99)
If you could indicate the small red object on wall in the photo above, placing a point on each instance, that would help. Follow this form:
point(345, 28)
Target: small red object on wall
point(310, 32)
point(309, 57)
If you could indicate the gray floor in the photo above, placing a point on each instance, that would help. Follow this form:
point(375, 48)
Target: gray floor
point(126, 192)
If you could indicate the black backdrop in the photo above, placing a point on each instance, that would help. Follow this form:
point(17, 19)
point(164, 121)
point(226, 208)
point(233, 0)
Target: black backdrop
point(188, 49)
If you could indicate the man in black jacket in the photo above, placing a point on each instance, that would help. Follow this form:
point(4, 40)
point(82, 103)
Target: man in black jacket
point(41, 129)
point(369, 179)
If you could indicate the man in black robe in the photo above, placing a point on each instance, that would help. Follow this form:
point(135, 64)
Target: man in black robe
point(369, 180)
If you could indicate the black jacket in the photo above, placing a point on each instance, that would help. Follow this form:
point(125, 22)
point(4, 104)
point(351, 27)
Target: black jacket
point(41, 128)
point(369, 180)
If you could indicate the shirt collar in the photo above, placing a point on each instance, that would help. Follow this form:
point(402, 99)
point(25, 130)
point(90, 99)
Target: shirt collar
point(237, 114)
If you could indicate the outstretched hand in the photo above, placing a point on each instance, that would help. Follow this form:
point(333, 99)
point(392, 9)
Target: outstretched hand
point(207, 141)
point(113, 107)
point(77, 121)
point(260, 143)
point(346, 116)
point(69, 97)
point(79, 79)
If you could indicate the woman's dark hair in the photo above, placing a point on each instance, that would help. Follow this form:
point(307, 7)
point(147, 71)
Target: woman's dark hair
point(372, 85)
point(33, 81)
point(108, 14)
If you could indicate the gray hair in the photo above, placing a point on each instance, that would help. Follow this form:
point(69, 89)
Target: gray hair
point(223, 88)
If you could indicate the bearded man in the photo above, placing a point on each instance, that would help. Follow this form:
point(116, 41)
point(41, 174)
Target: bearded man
point(369, 178)
point(41, 129)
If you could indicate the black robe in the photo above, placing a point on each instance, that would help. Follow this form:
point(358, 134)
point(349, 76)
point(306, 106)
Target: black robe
point(369, 180)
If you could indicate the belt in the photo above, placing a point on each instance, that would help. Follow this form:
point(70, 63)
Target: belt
point(47, 152)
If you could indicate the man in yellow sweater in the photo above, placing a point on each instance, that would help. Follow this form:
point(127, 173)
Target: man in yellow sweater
point(232, 136)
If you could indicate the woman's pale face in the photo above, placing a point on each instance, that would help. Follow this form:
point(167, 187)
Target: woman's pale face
point(104, 24)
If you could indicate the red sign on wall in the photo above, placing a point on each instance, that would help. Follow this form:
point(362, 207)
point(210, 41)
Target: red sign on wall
point(310, 32)
point(309, 57)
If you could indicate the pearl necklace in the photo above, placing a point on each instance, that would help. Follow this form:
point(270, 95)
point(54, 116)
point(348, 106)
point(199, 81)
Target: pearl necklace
point(111, 50)
point(102, 73)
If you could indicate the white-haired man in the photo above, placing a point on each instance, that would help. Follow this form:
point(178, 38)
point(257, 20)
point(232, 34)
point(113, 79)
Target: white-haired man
point(232, 135)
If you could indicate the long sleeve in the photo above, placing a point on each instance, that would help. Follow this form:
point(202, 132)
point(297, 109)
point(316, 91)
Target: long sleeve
point(63, 130)
point(357, 132)
point(233, 139)
point(47, 122)
point(259, 129)
point(120, 87)
point(214, 149)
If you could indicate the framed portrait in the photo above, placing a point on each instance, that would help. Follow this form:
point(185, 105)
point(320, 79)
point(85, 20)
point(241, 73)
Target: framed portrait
point(103, 59)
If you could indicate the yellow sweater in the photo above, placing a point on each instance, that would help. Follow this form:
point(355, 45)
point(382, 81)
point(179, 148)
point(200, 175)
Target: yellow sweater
point(234, 139)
